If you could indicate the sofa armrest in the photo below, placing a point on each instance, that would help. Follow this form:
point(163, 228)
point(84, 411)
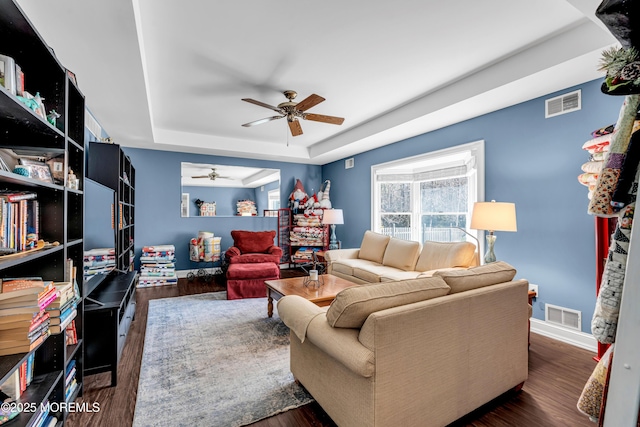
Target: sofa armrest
point(275, 251)
point(231, 252)
point(336, 254)
point(297, 312)
point(343, 345)
point(308, 321)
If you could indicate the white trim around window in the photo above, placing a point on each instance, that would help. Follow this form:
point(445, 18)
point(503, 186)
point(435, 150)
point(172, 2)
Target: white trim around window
point(465, 161)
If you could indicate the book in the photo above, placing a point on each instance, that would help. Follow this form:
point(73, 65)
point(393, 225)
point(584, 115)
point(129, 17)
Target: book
point(11, 386)
point(56, 329)
point(23, 348)
point(33, 310)
point(17, 317)
point(71, 333)
point(14, 287)
point(15, 196)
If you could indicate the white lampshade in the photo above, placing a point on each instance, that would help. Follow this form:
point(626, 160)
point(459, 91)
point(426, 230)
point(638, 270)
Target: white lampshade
point(494, 216)
point(332, 216)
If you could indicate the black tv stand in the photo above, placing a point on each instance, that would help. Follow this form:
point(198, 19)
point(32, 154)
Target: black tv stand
point(109, 311)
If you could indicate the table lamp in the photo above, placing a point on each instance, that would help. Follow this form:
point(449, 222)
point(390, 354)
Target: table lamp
point(332, 217)
point(493, 216)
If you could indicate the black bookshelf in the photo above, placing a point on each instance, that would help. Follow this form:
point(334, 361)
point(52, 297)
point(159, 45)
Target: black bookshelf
point(61, 208)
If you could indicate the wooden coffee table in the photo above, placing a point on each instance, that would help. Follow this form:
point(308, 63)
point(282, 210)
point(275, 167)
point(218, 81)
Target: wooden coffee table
point(321, 296)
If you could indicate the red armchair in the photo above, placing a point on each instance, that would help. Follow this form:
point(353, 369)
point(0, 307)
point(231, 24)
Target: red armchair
point(251, 260)
point(253, 247)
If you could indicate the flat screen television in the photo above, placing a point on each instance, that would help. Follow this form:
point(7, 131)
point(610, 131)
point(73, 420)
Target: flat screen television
point(98, 227)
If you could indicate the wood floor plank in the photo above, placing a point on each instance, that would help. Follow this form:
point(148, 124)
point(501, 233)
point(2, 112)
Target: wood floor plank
point(557, 374)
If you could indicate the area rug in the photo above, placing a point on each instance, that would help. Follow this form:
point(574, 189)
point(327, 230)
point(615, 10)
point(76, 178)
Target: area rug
point(212, 362)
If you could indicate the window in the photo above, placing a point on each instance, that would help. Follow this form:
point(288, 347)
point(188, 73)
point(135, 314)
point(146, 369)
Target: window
point(274, 199)
point(431, 196)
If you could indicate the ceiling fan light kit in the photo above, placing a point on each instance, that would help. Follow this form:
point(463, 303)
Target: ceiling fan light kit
point(294, 111)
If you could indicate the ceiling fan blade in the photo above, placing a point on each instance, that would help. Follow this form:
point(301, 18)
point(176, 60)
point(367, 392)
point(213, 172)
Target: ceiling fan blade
point(310, 101)
point(201, 176)
point(324, 119)
point(295, 128)
point(265, 120)
point(262, 104)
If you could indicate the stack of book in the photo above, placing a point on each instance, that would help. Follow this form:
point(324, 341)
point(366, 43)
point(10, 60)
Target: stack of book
point(64, 308)
point(24, 323)
point(98, 261)
point(157, 266)
point(246, 208)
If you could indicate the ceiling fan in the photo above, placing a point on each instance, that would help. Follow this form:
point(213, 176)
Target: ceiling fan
point(213, 175)
point(294, 111)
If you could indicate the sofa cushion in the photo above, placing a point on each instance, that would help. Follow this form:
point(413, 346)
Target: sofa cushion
point(436, 255)
point(373, 246)
point(346, 266)
point(477, 277)
point(352, 306)
point(395, 274)
point(401, 254)
point(253, 241)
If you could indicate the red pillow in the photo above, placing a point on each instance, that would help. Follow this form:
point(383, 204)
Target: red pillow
point(253, 241)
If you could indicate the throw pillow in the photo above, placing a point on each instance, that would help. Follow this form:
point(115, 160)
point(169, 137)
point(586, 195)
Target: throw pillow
point(477, 277)
point(352, 306)
point(401, 254)
point(436, 255)
point(373, 246)
point(253, 241)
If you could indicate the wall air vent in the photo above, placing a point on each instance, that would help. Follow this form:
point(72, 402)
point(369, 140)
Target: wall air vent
point(349, 163)
point(92, 124)
point(563, 104)
point(562, 316)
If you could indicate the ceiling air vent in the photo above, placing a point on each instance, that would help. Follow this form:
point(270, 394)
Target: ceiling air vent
point(563, 104)
point(349, 163)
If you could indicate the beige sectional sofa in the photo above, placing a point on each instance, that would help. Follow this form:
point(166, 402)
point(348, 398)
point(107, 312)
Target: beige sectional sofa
point(417, 352)
point(382, 258)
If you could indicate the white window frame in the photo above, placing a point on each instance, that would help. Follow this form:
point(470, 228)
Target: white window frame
point(273, 197)
point(432, 161)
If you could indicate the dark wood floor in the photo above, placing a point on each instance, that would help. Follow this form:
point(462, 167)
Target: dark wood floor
point(557, 374)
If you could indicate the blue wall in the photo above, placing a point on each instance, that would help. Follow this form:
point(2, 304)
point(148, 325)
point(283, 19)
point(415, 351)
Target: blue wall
point(158, 191)
point(529, 160)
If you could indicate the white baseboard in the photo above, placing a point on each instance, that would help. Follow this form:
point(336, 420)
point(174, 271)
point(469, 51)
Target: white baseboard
point(576, 338)
point(182, 274)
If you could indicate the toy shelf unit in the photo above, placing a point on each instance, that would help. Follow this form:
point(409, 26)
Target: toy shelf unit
point(41, 143)
point(307, 235)
point(283, 216)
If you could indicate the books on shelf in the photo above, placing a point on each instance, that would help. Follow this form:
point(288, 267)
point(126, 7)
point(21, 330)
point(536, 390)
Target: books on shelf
point(19, 220)
point(24, 324)
point(71, 333)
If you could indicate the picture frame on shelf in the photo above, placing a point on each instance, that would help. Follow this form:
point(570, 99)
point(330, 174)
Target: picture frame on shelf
point(37, 170)
point(8, 73)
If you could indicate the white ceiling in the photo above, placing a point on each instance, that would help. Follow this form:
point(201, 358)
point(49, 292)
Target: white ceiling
point(170, 75)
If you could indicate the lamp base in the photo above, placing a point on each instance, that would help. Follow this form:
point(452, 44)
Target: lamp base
point(490, 255)
point(333, 243)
